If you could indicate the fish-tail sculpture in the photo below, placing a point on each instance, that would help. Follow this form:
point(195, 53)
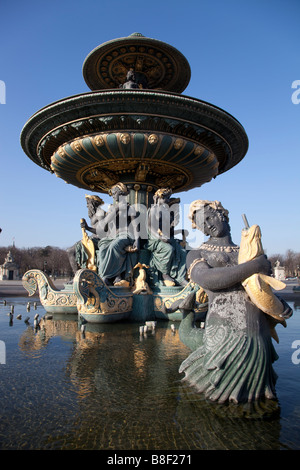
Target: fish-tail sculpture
point(90, 249)
point(259, 286)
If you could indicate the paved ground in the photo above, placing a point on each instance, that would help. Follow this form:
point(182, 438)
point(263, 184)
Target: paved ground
point(16, 289)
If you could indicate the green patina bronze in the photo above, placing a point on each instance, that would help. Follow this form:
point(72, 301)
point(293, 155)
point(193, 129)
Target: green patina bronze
point(135, 128)
point(136, 137)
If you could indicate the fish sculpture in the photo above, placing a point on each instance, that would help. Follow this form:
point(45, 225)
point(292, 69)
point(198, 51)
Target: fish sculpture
point(140, 285)
point(90, 249)
point(259, 286)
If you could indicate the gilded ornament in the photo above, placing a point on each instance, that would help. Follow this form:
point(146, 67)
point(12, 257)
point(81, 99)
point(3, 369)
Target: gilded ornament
point(141, 172)
point(76, 145)
point(178, 144)
point(61, 151)
point(152, 139)
point(211, 158)
point(99, 141)
point(93, 297)
point(35, 279)
point(140, 284)
point(100, 178)
point(172, 181)
point(259, 286)
point(125, 138)
point(198, 150)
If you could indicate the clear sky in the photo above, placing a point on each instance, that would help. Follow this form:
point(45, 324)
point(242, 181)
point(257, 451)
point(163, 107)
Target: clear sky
point(244, 58)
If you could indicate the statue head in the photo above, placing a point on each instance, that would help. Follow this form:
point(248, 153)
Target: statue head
point(117, 190)
point(201, 210)
point(162, 193)
point(93, 202)
point(130, 75)
point(96, 199)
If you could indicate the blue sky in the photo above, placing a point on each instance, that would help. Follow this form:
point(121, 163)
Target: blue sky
point(244, 58)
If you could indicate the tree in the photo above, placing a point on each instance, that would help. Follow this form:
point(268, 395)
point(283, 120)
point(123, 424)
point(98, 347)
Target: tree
point(52, 260)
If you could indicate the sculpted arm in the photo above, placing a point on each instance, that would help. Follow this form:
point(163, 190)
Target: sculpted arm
point(153, 222)
point(215, 279)
point(83, 224)
point(134, 224)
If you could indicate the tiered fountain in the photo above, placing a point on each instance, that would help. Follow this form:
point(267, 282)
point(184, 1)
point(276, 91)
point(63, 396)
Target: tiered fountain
point(136, 128)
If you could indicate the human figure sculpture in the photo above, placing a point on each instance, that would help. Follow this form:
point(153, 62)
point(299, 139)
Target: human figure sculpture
point(167, 255)
point(78, 256)
point(232, 356)
point(134, 80)
point(118, 240)
point(131, 82)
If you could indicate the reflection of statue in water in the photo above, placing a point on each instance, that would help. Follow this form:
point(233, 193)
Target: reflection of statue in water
point(232, 356)
point(167, 255)
point(118, 239)
point(78, 255)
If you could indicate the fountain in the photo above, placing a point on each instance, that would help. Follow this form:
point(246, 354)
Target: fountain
point(136, 137)
point(137, 132)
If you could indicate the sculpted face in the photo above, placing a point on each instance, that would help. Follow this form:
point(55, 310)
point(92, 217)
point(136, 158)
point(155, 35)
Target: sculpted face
point(211, 222)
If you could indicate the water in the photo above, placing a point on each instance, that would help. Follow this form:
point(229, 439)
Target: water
point(115, 390)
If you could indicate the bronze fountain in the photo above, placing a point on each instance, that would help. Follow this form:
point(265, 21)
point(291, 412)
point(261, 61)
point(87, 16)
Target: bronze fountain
point(136, 137)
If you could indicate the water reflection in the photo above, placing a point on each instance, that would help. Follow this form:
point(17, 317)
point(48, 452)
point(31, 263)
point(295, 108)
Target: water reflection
point(128, 393)
point(297, 305)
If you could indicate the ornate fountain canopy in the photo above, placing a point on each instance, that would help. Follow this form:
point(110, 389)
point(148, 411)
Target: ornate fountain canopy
point(146, 133)
point(156, 64)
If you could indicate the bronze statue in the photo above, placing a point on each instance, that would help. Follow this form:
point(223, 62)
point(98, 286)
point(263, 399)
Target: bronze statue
point(232, 356)
point(167, 255)
point(131, 82)
point(135, 80)
point(78, 254)
point(118, 239)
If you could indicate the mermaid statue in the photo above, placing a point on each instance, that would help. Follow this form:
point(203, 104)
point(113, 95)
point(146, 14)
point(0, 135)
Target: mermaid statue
point(232, 356)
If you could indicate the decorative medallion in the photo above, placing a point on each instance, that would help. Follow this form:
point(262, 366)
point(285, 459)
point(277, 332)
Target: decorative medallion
point(135, 127)
point(96, 162)
point(157, 65)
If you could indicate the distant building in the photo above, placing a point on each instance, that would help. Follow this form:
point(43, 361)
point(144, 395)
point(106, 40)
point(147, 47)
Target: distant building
point(9, 270)
point(279, 271)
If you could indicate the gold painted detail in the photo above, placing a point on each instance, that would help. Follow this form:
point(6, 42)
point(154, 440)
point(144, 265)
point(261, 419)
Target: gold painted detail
point(178, 144)
point(99, 140)
point(259, 286)
point(99, 179)
point(167, 300)
point(140, 284)
point(125, 138)
point(94, 297)
point(90, 249)
point(158, 158)
point(35, 279)
point(141, 172)
point(76, 145)
point(152, 139)
point(103, 174)
point(153, 63)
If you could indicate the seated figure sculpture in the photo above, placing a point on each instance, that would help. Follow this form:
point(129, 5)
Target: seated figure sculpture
point(232, 356)
point(167, 255)
point(118, 240)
